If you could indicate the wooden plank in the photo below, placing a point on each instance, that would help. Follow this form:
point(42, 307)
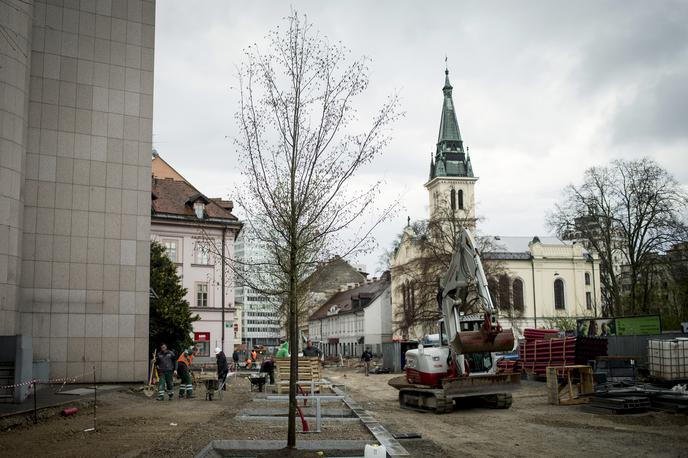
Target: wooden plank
point(561, 389)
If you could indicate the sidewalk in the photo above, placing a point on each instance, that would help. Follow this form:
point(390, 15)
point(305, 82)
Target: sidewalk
point(49, 397)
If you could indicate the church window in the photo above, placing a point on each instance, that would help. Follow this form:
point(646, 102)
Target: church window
point(559, 294)
point(504, 291)
point(452, 195)
point(460, 199)
point(493, 289)
point(587, 278)
point(517, 291)
point(588, 300)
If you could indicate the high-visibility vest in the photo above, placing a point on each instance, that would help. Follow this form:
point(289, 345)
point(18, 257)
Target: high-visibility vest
point(186, 359)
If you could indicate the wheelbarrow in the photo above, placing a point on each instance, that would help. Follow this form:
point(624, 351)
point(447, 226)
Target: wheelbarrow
point(258, 382)
point(211, 386)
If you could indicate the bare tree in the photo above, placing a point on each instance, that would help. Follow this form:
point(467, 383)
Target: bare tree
point(298, 161)
point(628, 212)
point(434, 243)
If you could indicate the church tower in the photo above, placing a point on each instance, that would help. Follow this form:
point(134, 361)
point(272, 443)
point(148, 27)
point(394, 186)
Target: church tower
point(451, 183)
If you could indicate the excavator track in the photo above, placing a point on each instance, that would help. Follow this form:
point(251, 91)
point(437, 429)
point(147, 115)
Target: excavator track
point(425, 401)
point(497, 401)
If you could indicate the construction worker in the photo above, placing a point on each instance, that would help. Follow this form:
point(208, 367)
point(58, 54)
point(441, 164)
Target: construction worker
point(366, 357)
point(184, 372)
point(268, 367)
point(283, 351)
point(310, 350)
point(235, 358)
point(164, 361)
point(222, 367)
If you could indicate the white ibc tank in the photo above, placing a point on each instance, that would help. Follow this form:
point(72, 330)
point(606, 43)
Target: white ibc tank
point(375, 451)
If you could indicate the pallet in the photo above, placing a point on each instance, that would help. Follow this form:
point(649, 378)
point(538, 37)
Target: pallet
point(562, 388)
point(308, 370)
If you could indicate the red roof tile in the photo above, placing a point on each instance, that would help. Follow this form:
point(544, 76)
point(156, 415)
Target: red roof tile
point(174, 197)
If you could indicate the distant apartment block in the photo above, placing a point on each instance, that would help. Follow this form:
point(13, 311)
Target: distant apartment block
point(260, 321)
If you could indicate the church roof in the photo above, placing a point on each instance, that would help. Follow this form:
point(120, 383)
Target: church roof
point(449, 126)
point(450, 159)
point(518, 247)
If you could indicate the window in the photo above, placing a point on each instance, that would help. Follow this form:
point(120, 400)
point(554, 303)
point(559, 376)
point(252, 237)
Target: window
point(504, 291)
point(492, 287)
point(559, 294)
point(408, 296)
point(517, 291)
point(452, 196)
point(587, 278)
point(203, 348)
point(201, 294)
point(201, 253)
point(588, 300)
point(460, 199)
point(199, 209)
point(171, 249)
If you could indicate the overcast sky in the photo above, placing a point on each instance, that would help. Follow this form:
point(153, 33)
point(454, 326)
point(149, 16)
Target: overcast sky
point(543, 90)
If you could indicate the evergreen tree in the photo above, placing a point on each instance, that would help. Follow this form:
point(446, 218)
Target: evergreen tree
point(170, 317)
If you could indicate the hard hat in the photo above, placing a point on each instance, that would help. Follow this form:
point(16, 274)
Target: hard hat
point(217, 350)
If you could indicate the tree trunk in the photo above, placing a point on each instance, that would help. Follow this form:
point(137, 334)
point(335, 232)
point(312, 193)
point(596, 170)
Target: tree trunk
point(294, 357)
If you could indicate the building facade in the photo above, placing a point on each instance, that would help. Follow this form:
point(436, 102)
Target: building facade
point(355, 317)
point(545, 280)
point(260, 320)
point(540, 281)
point(77, 108)
point(196, 231)
point(327, 279)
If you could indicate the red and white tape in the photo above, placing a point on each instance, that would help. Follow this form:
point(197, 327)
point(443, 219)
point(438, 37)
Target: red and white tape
point(52, 380)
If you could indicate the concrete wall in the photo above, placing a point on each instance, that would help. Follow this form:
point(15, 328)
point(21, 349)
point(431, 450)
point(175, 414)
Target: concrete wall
point(86, 185)
point(15, 59)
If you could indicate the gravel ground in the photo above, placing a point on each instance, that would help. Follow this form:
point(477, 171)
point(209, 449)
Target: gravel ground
point(132, 425)
point(531, 427)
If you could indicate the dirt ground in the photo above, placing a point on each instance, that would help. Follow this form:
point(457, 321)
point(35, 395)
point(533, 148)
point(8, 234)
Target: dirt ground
point(530, 428)
point(132, 425)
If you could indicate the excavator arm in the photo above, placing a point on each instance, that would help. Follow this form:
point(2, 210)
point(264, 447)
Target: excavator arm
point(466, 271)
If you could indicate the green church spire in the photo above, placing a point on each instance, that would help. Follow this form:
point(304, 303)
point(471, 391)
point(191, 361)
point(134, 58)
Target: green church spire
point(449, 126)
point(450, 158)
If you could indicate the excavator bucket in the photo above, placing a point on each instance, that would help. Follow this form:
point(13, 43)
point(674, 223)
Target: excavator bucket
point(480, 342)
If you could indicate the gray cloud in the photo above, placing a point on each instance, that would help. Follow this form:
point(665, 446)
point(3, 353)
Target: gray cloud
point(543, 91)
point(657, 111)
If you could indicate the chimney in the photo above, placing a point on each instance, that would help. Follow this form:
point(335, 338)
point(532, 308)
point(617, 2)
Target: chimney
point(226, 204)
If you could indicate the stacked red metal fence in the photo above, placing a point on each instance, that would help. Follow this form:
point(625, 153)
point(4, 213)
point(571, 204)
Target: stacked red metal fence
point(541, 348)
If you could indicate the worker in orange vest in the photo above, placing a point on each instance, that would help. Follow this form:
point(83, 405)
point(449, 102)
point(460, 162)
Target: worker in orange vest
point(184, 372)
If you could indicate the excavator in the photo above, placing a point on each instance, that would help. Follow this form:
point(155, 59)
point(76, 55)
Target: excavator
point(462, 368)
